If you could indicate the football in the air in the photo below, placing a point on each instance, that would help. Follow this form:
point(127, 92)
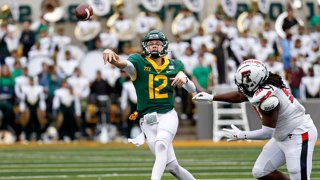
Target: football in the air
point(84, 12)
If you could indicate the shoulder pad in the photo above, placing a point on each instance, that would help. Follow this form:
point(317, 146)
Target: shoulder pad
point(262, 94)
point(269, 104)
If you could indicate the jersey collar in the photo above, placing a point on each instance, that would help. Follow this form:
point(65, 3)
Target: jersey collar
point(156, 66)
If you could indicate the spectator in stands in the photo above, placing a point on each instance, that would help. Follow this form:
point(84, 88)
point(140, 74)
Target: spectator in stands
point(4, 51)
point(310, 86)
point(271, 35)
point(17, 70)
point(128, 104)
point(50, 80)
point(200, 39)
point(201, 73)
point(286, 50)
point(11, 38)
point(27, 38)
point(60, 40)
point(219, 38)
point(315, 19)
point(100, 92)
point(67, 109)
point(316, 67)
point(290, 20)
point(37, 51)
point(81, 89)
point(306, 41)
point(7, 101)
point(33, 104)
point(10, 60)
point(177, 48)
point(109, 40)
point(262, 49)
point(67, 66)
point(295, 74)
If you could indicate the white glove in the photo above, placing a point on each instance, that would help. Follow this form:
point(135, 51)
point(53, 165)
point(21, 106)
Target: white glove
point(234, 133)
point(203, 96)
point(139, 140)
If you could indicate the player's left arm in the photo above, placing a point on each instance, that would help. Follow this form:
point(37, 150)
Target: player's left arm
point(269, 109)
point(182, 80)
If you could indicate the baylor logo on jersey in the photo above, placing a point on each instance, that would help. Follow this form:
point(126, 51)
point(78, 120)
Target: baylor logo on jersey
point(145, 68)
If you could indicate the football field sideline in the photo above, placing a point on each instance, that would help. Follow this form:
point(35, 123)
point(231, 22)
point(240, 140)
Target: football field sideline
point(117, 161)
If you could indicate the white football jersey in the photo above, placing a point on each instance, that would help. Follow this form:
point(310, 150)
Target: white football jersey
point(291, 118)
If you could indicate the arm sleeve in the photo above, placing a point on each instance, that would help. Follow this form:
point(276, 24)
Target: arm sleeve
point(130, 70)
point(264, 133)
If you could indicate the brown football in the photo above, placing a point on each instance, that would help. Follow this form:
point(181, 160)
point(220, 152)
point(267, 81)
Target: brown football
point(84, 12)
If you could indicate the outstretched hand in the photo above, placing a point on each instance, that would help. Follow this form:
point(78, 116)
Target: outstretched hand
point(110, 56)
point(203, 96)
point(233, 134)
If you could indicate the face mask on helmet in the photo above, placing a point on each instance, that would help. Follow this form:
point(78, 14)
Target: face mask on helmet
point(155, 35)
point(250, 75)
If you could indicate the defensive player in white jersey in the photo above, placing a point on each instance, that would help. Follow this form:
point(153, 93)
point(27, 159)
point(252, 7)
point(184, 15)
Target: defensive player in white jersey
point(291, 131)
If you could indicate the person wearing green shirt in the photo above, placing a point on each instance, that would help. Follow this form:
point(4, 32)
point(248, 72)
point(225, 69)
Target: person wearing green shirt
point(154, 77)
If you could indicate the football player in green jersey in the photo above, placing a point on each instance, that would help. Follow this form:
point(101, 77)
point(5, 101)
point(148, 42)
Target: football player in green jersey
point(154, 77)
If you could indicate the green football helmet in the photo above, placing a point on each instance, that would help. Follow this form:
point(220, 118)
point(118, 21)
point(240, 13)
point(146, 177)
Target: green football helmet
point(155, 35)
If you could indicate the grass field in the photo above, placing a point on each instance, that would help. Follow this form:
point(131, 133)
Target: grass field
point(88, 160)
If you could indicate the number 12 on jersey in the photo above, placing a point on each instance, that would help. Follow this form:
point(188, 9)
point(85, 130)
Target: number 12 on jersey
point(154, 92)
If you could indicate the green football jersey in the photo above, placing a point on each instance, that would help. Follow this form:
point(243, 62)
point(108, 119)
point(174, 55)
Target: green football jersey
point(153, 84)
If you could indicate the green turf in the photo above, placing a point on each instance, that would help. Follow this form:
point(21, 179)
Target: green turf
point(126, 163)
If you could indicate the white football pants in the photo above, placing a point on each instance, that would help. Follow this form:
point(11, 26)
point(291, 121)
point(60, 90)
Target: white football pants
point(296, 151)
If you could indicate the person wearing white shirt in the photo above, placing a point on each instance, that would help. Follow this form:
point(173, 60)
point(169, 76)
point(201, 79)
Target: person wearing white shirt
point(145, 23)
point(300, 53)
point(310, 86)
point(61, 40)
point(110, 73)
point(306, 41)
point(10, 60)
point(177, 48)
point(262, 50)
point(270, 34)
point(316, 67)
point(242, 46)
point(108, 39)
point(37, 51)
point(11, 38)
point(253, 23)
point(67, 66)
point(21, 82)
point(189, 60)
point(200, 39)
point(33, 105)
point(229, 28)
point(80, 84)
point(186, 23)
point(67, 110)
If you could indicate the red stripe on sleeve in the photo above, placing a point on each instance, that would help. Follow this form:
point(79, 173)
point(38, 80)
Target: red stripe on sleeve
point(305, 136)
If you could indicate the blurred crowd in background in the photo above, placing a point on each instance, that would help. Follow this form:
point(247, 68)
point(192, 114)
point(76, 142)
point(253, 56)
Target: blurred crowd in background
point(51, 87)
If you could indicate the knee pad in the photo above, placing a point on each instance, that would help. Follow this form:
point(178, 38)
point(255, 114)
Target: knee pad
point(161, 146)
point(173, 166)
point(259, 171)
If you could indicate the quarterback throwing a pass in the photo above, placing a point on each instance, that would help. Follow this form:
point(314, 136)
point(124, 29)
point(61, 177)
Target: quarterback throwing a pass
point(291, 131)
point(154, 77)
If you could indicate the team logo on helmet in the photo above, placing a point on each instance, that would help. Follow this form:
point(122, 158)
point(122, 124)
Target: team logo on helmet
point(250, 75)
